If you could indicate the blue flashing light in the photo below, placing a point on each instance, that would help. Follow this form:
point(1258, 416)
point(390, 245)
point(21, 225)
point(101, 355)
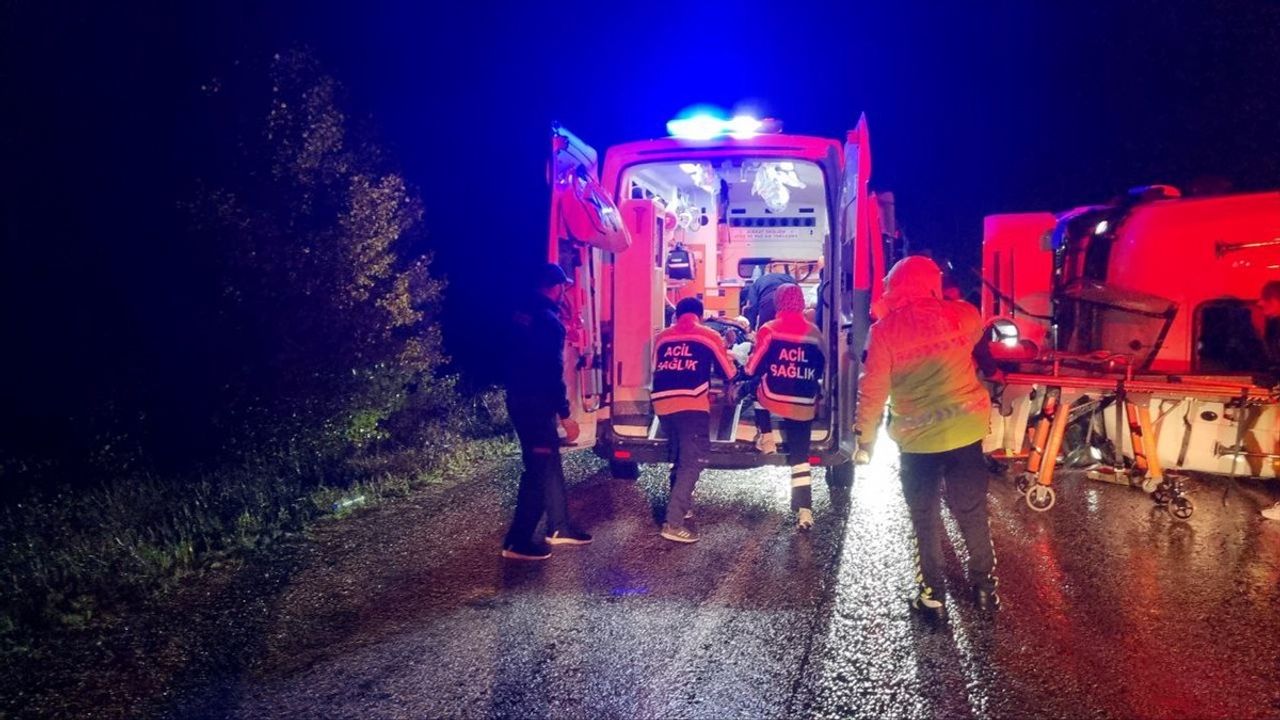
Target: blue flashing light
point(697, 127)
point(704, 122)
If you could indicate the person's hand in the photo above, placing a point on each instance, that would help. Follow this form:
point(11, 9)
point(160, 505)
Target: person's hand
point(571, 430)
point(862, 457)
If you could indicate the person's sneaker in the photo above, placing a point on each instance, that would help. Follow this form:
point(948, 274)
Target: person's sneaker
point(568, 536)
point(804, 519)
point(766, 443)
point(527, 551)
point(929, 608)
point(1272, 513)
point(678, 534)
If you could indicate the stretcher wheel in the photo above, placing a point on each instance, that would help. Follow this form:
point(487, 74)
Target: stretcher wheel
point(1041, 497)
point(1181, 507)
point(1022, 483)
point(1161, 495)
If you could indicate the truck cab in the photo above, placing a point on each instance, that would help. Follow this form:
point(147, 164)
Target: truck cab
point(1155, 293)
point(705, 213)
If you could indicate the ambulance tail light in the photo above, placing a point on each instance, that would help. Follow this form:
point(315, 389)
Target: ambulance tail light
point(621, 454)
point(815, 460)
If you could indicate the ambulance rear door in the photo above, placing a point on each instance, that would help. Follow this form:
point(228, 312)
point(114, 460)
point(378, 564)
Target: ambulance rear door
point(584, 226)
point(861, 267)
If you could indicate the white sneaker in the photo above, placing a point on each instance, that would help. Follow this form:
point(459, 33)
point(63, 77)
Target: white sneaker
point(1272, 513)
point(804, 519)
point(766, 443)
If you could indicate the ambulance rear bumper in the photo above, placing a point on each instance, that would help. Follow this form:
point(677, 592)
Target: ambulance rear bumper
point(728, 456)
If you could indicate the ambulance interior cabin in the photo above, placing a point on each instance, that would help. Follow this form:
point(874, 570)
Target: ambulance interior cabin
point(708, 229)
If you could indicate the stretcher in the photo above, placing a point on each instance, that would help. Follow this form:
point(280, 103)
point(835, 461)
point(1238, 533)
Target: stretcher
point(1032, 412)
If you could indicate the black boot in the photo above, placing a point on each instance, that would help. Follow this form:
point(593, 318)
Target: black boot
point(985, 595)
point(931, 609)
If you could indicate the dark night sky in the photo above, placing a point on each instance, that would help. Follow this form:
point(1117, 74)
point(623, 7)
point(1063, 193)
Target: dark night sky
point(1015, 107)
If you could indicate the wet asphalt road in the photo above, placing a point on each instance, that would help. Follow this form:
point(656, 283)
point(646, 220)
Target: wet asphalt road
point(1111, 609)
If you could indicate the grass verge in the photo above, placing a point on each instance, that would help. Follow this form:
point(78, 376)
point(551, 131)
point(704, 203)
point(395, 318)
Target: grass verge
point(71, 560)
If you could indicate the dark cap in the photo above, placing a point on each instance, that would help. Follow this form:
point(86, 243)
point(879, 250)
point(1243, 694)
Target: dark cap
point(689, 305)
point(550, 275)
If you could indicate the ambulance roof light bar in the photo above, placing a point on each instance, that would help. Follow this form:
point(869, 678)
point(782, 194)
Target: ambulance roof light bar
point(707, 127)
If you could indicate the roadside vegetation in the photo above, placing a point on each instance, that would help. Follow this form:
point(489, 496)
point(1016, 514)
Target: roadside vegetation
point(319, 386)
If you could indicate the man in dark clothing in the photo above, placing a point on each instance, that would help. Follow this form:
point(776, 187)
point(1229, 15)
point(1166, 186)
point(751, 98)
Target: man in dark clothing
point(760, 306)
point(537, 402)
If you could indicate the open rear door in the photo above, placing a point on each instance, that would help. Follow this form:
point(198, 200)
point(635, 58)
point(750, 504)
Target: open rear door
point(584, 224)
point(861, 259)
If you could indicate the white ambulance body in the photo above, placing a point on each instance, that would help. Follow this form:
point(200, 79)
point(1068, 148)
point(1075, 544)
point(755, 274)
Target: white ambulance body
point(703, 215)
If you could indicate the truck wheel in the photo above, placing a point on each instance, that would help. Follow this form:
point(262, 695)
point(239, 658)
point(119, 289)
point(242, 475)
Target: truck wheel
point(841, 475)
point(624, 470)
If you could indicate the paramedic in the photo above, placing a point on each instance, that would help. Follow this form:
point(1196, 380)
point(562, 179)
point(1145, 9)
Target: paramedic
point(537, 401)
point(789, 362)
point(919, 359)
point(685, 355)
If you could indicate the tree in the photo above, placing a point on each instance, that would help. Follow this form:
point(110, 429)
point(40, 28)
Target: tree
point(326, 315)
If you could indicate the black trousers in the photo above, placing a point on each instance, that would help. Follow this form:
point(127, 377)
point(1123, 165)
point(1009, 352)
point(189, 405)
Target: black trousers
point(795, 443)
point(963, 473)
point(689, 442)
point(542, 482)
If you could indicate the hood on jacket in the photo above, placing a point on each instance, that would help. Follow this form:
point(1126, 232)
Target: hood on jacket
point(911, 278)
point(789, 299)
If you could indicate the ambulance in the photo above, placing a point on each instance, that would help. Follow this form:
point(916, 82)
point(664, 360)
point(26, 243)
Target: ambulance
point(704, 213)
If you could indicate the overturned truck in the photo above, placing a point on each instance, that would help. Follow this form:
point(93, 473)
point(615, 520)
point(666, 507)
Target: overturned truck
point(1134, 340)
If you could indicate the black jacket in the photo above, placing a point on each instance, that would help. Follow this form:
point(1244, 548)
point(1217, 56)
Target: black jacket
point(760, 306)
point(535, 358)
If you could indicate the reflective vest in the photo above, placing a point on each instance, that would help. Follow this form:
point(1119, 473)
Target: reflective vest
point(789, 360)
point(684, 356)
